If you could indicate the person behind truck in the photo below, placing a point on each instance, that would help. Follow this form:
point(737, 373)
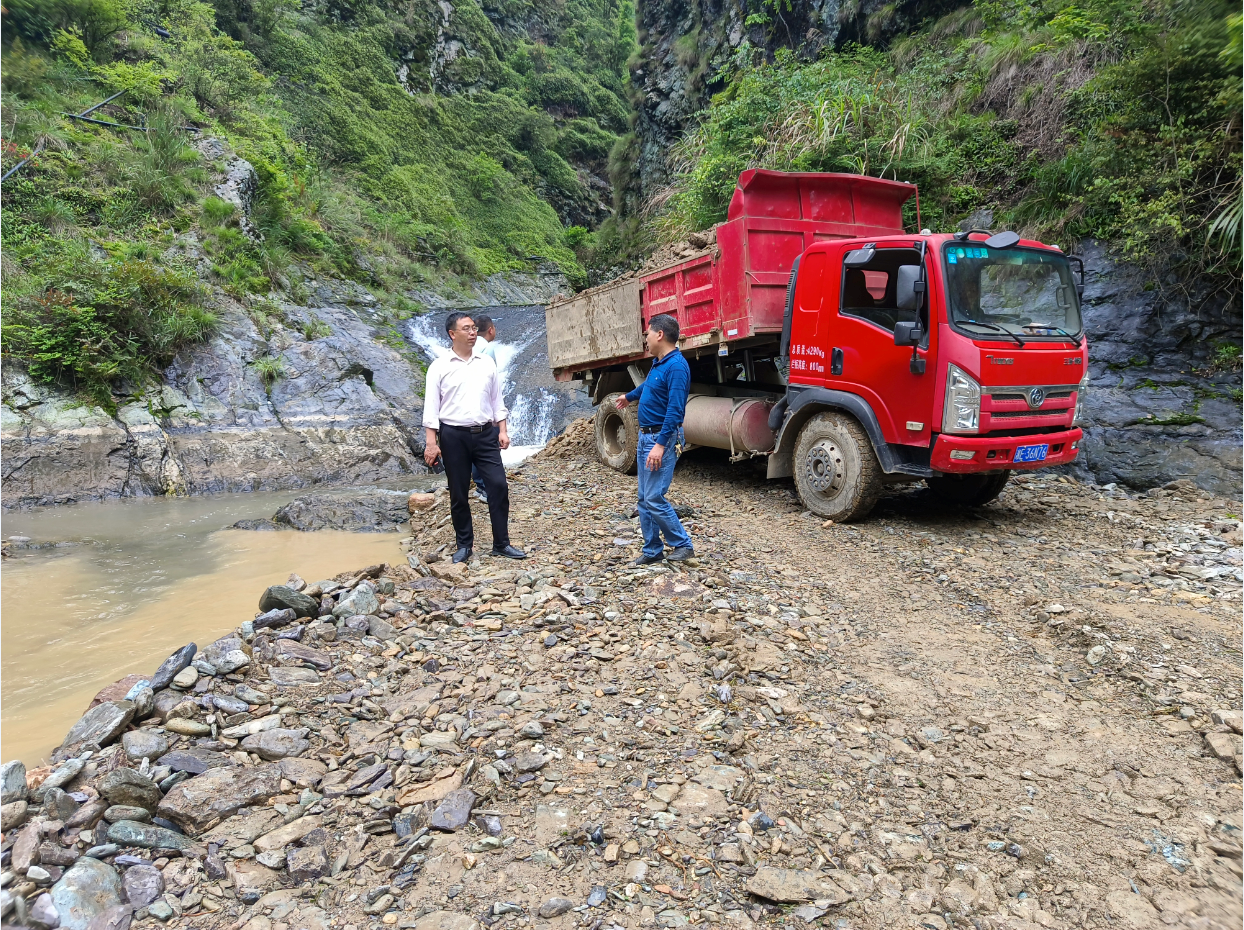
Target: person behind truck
point(662, 402)
point(486, 346)
point(462, 402)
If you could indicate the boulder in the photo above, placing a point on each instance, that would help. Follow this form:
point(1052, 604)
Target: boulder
point(13, 815)
point(292, 649)
point(128, 787)
point(172, 665)
point(100, 725)
point(274, 618)
point(356, 510)
point(283, 597)
point(293, 677)
point(200, 802)
point(361, 601)
point(13, 782)
point(196, 761)
point(85, 892)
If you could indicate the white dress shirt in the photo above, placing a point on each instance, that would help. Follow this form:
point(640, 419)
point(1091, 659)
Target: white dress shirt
point(463, 392)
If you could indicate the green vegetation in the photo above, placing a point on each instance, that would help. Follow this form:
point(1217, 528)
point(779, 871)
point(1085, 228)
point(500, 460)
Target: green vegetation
point(1067, 118)
point(392, 144)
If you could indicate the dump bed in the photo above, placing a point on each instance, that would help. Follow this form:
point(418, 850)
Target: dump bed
point(735, 290)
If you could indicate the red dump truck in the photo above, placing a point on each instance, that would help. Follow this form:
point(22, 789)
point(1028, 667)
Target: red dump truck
point(846, 352)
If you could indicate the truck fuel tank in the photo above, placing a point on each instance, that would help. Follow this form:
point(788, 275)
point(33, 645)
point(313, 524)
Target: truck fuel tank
point(736, 424)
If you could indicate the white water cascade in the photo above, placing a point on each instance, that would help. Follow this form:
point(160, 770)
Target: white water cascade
point(533, 408)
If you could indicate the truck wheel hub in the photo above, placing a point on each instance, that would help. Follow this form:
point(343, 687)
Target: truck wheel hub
point(824, 468)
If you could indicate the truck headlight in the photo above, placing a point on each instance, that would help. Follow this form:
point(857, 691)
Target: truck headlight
point(1081, 391)
point(962, 410)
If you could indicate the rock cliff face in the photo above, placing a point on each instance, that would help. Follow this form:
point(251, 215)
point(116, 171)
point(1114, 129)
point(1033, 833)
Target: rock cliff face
point(1158, 408)
point(339, 406)
point(687, 43)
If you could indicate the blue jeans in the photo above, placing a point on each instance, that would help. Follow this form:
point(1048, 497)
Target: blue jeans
point(656, 516)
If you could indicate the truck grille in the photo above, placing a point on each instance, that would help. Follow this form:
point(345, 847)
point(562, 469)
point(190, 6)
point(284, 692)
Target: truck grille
point(1024, 414)
point(1050, 395)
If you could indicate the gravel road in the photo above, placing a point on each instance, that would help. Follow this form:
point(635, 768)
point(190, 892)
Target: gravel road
point(1023, 716)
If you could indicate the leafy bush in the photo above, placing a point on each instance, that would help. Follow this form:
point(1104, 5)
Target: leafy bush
point(108, 323)
point(1067, 119)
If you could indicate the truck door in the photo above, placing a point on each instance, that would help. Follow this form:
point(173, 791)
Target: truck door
point(807, 346)
point(858, 334)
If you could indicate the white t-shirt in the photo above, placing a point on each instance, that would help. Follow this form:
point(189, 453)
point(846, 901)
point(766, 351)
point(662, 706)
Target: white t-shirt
point(463, 392)
point(486, 348)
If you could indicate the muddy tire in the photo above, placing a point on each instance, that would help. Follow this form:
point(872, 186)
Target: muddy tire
point(968, 490)
point(617, 434)
point(836, 471)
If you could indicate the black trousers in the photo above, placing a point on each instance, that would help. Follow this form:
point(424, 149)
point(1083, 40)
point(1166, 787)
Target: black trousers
point(462, 449)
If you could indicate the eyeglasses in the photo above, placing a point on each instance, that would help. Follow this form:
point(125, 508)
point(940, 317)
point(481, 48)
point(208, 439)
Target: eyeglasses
point(468, 329)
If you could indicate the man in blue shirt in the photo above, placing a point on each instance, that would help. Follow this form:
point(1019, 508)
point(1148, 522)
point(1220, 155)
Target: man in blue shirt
point(662, 402)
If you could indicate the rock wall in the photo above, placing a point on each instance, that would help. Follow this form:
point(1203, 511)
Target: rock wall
point(1158, 407)
point(345, 407)
point(685, 44)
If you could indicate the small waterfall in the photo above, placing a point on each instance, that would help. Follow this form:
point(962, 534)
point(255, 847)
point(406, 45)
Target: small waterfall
point(533, 409)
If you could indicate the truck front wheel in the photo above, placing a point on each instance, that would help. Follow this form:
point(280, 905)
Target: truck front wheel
point(836, 471)
point(617, 434)
point(969, 490)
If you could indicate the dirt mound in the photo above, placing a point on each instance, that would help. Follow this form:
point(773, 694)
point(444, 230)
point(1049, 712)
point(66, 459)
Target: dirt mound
point(576, 444)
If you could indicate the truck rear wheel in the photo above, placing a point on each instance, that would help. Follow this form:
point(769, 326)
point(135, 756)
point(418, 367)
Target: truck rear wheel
point(617, 434)
point(836, 471)
point(968, 490)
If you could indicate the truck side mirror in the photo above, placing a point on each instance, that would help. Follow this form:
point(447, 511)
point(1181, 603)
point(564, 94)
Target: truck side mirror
point(907, 334)
point(909, 288)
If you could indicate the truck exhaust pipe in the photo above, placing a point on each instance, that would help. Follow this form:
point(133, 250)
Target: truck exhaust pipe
point(737, 425)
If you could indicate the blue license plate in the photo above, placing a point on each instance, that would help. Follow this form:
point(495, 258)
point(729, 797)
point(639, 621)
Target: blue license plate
point(1032, 453)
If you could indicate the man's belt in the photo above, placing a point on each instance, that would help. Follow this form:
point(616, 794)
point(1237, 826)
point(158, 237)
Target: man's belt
point(650, 430)
point(469, 429)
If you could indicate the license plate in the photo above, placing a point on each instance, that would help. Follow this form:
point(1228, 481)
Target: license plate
point(1032, 453)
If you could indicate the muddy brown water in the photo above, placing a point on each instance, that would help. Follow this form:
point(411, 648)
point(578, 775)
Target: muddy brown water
point(128, 583)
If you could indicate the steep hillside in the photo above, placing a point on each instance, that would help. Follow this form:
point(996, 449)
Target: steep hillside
point(393, 144)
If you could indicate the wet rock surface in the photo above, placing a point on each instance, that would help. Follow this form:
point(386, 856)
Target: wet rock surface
point(354, 510)
point(1033, 721)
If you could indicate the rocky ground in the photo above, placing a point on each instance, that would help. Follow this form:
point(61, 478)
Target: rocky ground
point(1025, 716)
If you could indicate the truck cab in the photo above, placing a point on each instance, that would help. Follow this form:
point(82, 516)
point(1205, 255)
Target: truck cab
point(952, 358)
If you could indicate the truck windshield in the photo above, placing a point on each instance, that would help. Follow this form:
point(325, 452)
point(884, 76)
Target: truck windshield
point(1024, 293)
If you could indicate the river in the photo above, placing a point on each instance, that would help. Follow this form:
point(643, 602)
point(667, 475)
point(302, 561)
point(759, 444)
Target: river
point(130, 582)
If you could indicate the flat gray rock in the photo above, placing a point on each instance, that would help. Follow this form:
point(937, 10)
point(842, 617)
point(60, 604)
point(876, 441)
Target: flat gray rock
point(100, 725)
point(794, 886)
point(277, 743)
point(200, 802)
point(355, 510)
point(306, 863)
point(142, 884)
point(146, 835)
point(293, 677)
point(144, 744)
point(196, 761)
point(361, 601)
point(292, 649)
point(454, 812)
point(172, 665)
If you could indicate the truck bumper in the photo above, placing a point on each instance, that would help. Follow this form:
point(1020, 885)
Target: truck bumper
point(961, 455)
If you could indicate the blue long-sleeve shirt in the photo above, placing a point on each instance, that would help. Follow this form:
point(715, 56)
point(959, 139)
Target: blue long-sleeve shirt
point(663, 396)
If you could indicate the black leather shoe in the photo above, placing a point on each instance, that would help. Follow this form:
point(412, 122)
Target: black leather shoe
point(647, 560)
point(463, 555)
point(681, 554)
point(509, 552)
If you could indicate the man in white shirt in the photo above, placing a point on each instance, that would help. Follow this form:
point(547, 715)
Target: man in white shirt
point(463, 403)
